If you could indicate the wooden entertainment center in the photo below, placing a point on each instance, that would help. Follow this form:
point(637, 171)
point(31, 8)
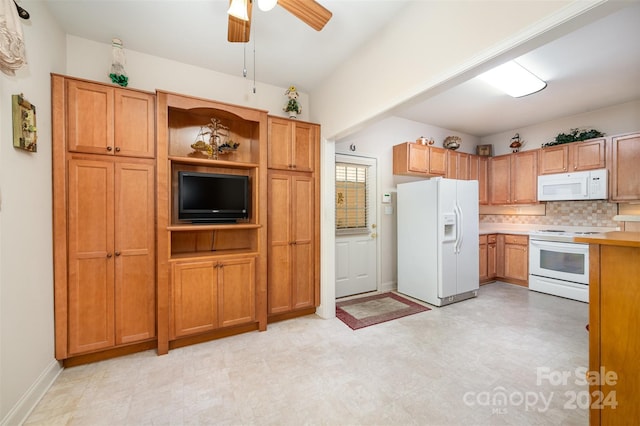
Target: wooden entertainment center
point(129, 274)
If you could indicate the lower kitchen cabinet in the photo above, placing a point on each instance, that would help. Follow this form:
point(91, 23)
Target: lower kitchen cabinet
point(483, 258)
point(213, 293)
point(513, 259)
point(488, 258)
point(492, 257)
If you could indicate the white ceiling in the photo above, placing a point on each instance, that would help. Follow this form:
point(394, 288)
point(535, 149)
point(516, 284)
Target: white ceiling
point(195, 32)
point(596, 66)
point(593, 67)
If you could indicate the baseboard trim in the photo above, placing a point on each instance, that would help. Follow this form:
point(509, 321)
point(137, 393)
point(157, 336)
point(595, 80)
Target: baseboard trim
point(388, 286)
point(25, 405)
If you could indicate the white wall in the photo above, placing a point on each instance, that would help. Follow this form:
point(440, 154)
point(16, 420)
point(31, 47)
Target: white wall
point(377, 141)
point(613, 120)
point(27, 363)
point(91, 60)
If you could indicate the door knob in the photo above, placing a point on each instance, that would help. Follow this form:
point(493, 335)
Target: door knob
point(374, 235)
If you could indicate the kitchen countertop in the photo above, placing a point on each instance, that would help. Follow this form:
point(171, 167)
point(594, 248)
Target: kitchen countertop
point(525, 229)
point(615, 238)
point(627, 218)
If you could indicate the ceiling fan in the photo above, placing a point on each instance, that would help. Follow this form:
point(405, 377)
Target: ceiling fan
point(309, 11)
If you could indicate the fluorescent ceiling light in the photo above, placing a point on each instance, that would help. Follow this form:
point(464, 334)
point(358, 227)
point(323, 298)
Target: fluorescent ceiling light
point(266, 5)
point(238, 9)
point(513, 79)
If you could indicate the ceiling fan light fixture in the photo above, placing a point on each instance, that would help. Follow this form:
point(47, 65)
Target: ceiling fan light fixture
point(267, 5)
point(513, 79)
point(238, 8)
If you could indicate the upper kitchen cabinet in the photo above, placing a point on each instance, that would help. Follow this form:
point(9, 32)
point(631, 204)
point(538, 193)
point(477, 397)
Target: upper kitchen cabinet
point(457, 165)
point(293, 146)
point(103, 119)
point(413, 159)
point(479, 170)
point(625, 158)
point(513, 178)
point(573, 157)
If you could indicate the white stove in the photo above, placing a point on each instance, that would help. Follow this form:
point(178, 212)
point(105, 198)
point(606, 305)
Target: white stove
point(558, 265)
point(561, 235)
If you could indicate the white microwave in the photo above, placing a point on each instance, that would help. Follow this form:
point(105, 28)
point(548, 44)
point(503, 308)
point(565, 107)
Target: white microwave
point(587, 185)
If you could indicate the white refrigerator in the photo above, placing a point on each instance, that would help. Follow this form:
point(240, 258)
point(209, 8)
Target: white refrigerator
point(438, 259)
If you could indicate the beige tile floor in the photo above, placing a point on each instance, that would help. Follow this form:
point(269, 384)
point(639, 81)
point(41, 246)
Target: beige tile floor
point(490, 360)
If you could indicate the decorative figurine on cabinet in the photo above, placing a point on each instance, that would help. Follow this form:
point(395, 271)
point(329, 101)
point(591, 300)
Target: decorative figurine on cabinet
point(293, 107)
point(516, 143)
point(118, 75)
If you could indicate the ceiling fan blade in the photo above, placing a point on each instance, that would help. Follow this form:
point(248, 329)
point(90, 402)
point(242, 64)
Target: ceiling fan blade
point(238, 30)
point(309, 11)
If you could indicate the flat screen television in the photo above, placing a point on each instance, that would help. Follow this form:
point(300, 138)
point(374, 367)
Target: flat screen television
point(212, 197)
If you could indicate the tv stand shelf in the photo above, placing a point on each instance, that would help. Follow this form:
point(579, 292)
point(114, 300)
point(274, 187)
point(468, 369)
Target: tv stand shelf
point(211, 226)
point(211, 162)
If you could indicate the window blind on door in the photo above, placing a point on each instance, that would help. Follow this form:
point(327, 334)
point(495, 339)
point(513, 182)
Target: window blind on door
point(352, 204)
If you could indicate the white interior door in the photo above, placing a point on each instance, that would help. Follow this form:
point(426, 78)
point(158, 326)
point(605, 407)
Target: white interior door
point(356, 219)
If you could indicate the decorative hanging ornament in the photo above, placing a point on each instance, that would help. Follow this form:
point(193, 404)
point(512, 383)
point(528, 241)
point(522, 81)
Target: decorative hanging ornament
point(12, 48)
point(118, 74)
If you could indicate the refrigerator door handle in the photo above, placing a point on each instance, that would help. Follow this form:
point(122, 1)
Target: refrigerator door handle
point(458, 214)
point(461, 228)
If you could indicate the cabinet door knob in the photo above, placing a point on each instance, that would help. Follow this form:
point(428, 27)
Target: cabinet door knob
point(117, 149)
point(109, 255)
point(109, 148)
point(117, 253)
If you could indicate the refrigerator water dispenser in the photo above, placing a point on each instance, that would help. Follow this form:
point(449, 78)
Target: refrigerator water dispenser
point(449, 222)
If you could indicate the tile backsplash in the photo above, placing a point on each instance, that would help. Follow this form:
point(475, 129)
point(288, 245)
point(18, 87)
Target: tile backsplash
point(568, 213)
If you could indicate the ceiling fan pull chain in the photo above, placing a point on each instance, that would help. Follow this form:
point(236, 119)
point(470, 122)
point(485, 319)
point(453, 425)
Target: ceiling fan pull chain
point(244, 60)
point(254, 56)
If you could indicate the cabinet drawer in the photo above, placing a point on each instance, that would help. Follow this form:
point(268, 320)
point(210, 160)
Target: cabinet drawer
point(492, 238)
point(483, 239)
point(516, 239)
